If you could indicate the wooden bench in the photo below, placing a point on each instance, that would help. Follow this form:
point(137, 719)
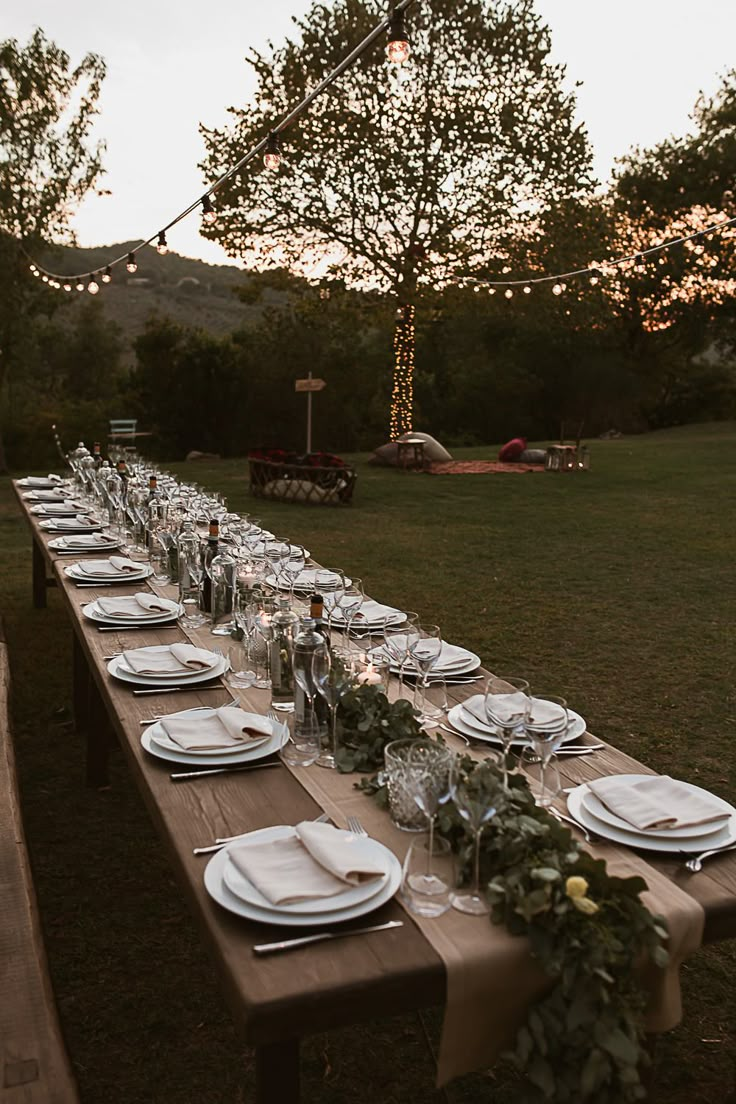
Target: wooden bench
point(34, 1067)
point(287, 482)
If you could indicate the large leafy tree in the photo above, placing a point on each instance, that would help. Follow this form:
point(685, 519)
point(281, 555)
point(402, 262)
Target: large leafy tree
point(47, 165)
point(399, 178)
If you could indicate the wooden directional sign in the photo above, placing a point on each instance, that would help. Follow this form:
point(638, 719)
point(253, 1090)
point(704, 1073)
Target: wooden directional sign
point(310, 385)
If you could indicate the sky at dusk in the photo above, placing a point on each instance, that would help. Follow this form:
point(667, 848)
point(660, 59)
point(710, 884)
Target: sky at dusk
point(174, 65)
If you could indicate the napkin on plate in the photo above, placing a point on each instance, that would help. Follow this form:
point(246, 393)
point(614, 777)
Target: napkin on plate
point(135, 605)
point(370, 612)
point(178, 659)
point(86, 540)
point(545, 716)
point(651, 804)
point(54, 508)
point(45, 496)
point(78, 522)
point(115, 565)
point(42, 480)
point(315, 861)
point(216, 728)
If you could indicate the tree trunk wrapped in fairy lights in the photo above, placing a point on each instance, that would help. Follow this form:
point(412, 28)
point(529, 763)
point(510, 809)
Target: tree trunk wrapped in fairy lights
point(402, 396)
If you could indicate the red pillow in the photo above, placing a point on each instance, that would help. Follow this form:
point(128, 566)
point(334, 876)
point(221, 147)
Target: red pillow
point(513, 449)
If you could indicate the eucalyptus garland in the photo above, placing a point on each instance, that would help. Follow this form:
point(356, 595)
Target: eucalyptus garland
point(589, 931)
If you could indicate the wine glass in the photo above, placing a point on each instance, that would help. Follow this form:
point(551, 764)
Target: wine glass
point(192, 571)
point(262, 616)
point(351, 599)
point(547, 726)
point(330, 585)
point(277, 553)
point(428, 781)
point(507, 705)
point(333, 676)
point(397, 641)
point(474, 806)
point(425, 650)
point(293, 566)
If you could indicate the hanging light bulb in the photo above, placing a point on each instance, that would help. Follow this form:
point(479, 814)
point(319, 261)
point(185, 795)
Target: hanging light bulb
point(33, 268)
point(107, 275)
point(595, 276)
point(79, 285)
point(209, 214)
point(509, 293)
point(272, 154)
point(397, 47)
point(557, 289)
point(93, 287)
point(641, 264)
point(527, 289)
point(45, 278)
point(131, 264)
point(67, 287)
point(161, 246)
point(491, 291)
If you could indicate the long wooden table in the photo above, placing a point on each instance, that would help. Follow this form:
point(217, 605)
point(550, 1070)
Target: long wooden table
point(277, 1000)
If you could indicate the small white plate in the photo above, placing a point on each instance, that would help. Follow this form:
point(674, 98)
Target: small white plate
point(118, 670)
point(215, 885)
point(646, 841)
point(185, 758)
point(238, 884)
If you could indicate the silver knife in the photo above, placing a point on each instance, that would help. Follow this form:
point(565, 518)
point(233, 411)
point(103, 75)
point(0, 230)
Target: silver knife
point(288, 944)
point(221, 770)
point(175, 689)
point(137, 628)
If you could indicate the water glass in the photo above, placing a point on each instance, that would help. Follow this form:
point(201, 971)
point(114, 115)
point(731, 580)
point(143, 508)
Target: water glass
point(428, 876)
point(158, 558)
point(240, 672)
point(304, 743)
point(547, 727)
point(401, 771)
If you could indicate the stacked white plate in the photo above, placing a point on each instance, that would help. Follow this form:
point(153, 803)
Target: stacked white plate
point(467, 718)
point(84, 525)
point(119, 669)
point(587, 810)
point(62, 508)
point(68, 545)
point(41, 483)
point(94, 612)
point(86, 573)
point(231, 889)
point(305, 581)
point(371, 615)
point(156, 742)
point(452, 660)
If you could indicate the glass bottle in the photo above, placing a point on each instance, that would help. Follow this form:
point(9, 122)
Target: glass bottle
point(97, 455)
point(209, 552)
point(222, 579)
point(316, 612)
point(283, 634)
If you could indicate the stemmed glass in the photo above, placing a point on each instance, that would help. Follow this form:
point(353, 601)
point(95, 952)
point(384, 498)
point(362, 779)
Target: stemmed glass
point(330, 584)
point(398, 640)
point(507, 705)
point(191, 597)
point(429, 781)
point(262, 617)
point(293, 566)
point(472, 804)
point(547, 727)
point(277, 553)
point(425, 650)
point(333, 676)
point(350, 601)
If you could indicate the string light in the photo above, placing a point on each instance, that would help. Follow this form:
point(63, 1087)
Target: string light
point(272, 155)
point(93, 287)
point(527, 289)
point(209, 214)
point(107, 275)
point(161, 245)
point(67, 287)
point(131, 264)
point(595, 277)
point(80, 285)
point(397, 47)
point(557, 289)
point(402, 396)
point(45, 278)
point(509, 293)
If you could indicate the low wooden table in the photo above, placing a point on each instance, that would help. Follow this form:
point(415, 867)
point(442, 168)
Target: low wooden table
point(410, 454)
point(277, 1000)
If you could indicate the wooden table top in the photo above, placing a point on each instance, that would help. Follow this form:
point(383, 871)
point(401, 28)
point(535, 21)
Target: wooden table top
point(331, 984)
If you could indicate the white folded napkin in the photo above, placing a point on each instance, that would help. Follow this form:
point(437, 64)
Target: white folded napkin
point(476, 707)
point(42, 480)
point(45, 496)
point(507, 709)
point(84, 540)
point(116, 565)
point(178, 659)
point(450, 656)
point(78, 522)
point(651, 804)
point(216, 728)
point(370, 612)
point(545, 716)
point(315, 861)
point(55, 508)
point(134, 605)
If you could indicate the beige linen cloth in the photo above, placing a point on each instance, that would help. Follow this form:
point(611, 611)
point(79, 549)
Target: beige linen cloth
point(651, 804)
point(216, 728)
point(178, 659)
point(314, 861)
point(141, 605)
point(116, 565)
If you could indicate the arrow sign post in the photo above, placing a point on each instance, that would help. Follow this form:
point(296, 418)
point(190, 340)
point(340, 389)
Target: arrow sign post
point(310, 386)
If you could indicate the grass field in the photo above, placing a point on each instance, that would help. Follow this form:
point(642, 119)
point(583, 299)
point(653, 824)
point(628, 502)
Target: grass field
point(614, 588)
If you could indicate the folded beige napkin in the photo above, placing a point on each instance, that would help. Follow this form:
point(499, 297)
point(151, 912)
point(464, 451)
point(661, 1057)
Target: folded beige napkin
point(78, 522)
point(54, 508)
point(546, 715)
point(45, 496)
point(371, 611)
point(42, 480)
point(506, 707)
point(115, 565)
point(86, 540)
point(651, 804)
point(216, 728)
point(316, 860)
point(134, 605)
point(178, 659)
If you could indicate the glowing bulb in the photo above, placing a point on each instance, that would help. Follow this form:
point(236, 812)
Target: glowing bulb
point(209, 214)
point(93, 287)
point(45, 278)
point(595, 276)
point(509, 293)
point(132, 264)
point(397, 47)
point(491, 291)
point(272, 155)
point(527, 289)
point(79, 285)
point(67, 287)
point(640, 263)
point(161, 247)
point(107, 275)
point(557, 289)
point(33, 269)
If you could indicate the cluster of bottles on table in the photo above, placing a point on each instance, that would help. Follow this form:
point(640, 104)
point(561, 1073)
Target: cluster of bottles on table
point(226, 579)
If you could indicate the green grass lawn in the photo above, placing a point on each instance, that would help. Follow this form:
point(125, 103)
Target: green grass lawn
point(613, 588)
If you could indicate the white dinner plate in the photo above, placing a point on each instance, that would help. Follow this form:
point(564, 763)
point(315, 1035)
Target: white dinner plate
point(215, 885)
point(40, 484)
point(305, 580)
point(94, 613)
point(41, 511)
point(459, 662)
point(238, 884)
point(466, 723)
point(244, 755)
point(396, 617)
point(75, 572)
point(69, 545)
point(118, 670)
point(50, 526)
point(646, 841)
point(159, 737)
point(596, 808)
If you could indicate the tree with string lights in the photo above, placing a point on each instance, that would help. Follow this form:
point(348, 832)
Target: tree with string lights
point(408, 171)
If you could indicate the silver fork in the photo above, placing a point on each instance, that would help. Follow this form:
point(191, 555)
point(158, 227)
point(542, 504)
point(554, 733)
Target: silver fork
point(590, 837)
point(356, 827)
point(695, 864)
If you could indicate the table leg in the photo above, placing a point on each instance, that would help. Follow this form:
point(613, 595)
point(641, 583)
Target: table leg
point(99, 738)
point(39, 578)
point(277, 1073)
